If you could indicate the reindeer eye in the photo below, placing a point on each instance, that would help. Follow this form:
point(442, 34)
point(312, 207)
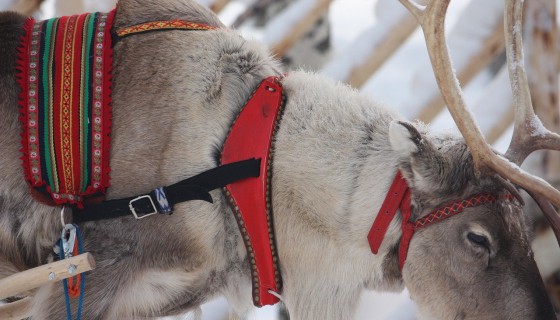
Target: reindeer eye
point(477, 239)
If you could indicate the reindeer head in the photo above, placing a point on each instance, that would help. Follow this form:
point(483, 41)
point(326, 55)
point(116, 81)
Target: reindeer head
point(477, 264)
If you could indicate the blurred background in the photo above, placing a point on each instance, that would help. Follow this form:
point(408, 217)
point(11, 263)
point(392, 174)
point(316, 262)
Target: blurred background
point(377, 47)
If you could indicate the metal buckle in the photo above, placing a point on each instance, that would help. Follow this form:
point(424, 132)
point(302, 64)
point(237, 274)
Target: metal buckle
point(68, 237)
point(131, 207)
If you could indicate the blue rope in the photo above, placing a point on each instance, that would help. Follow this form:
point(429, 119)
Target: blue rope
point(65, 282)
point(83, 276)
point(65, 286)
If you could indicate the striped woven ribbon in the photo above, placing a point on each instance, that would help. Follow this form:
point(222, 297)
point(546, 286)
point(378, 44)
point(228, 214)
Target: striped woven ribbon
point(162, 25)
point(64, 69)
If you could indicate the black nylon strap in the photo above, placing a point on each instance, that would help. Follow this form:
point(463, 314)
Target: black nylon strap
point(193, 188)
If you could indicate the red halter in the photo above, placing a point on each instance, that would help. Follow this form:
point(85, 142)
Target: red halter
point(398, 197)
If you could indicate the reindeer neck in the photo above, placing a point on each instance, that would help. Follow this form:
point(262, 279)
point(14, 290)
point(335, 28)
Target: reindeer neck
point(333, 166)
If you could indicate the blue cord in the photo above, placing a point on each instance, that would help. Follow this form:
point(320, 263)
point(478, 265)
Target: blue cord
point(83, 276)
point(82, 284)
point(65, 286)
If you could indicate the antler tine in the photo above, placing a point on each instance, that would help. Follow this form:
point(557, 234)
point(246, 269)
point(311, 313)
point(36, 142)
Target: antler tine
point(529, 134)
point(549, 212)
point(416, 9)
point(431, 19)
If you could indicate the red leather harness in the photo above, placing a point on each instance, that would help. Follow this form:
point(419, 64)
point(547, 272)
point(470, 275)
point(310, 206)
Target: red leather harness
point(399, 197)
point(252, 137)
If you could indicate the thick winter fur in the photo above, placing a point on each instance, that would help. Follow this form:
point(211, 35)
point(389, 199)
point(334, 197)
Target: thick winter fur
point(176, 94)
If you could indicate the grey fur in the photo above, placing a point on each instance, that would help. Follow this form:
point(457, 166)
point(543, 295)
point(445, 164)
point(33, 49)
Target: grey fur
point(176, 94)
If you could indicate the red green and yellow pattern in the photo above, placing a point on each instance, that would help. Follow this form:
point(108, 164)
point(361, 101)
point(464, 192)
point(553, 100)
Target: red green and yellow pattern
point(64, 70)
point(162, 25)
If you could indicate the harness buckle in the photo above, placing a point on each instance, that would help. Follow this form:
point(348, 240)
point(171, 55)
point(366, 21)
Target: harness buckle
point(153, 208)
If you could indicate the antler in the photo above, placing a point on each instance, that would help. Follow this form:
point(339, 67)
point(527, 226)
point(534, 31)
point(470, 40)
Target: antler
point(529, 134)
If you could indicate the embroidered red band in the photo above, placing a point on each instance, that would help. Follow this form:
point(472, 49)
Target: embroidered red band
point(162, 25)
point(448, 210)
point(398, 197)
point(457, 206)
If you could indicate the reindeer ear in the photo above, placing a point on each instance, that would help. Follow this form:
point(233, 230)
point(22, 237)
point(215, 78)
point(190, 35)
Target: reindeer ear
point(417, 155)
point(404, 138)
point(428, 165)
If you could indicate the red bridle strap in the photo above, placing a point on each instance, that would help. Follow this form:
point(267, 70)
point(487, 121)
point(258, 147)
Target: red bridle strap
point(399, 197)
point(393, 201)
point(447, 210)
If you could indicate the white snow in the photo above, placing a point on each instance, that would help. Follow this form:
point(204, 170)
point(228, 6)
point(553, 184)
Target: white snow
point(5, 4)
point(490, 103)
point(278, 27)
point(480, 19)
point(349, 19)
point(386, 306)
point(207, 3)
point(502, 143)
point(537, 128)
point(373, 306)
point(389, 14)
point(231, 11)
point(98, 5)
point(410, 70)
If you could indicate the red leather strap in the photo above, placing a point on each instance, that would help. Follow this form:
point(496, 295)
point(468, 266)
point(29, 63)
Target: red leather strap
point(455, 207)
point(407, 229)
point(398, 197)
point(445, 211)
point(393, 201)
point(251, 137)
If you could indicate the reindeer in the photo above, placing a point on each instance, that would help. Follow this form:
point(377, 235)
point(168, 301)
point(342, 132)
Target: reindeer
point(336, 153)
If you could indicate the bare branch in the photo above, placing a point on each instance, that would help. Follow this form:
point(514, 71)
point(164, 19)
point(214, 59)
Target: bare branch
point(283, 41)
point(382, 51)
point(256, 8)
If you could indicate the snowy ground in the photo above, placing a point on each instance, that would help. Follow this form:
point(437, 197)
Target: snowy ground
point(373, 306)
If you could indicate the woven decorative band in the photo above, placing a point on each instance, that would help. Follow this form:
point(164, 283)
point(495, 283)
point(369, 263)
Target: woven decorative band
point(64, 69)
point(458, 206)
point(162, 25)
